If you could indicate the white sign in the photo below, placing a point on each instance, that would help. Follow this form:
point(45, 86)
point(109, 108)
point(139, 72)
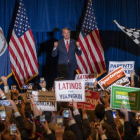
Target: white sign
point(65, 91)
point(128, 66)
point(42, 101)
point(85, 77)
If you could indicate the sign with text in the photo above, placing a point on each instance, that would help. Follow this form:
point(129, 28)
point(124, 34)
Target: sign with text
point(45, 100)
point(128, 96)
point(127, 66)
point(89, 81)
point(92, 99)
point(65, 91)
point(115, 77)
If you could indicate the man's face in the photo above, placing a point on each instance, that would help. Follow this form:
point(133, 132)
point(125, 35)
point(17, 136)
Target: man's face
point(66, 34)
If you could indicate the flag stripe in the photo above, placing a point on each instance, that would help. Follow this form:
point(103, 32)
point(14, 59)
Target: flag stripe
point(32, 55)
point(28, 56)
point(83, 58)
point(89, 56)
point(99, 48)
point(27, 63)
point(16, 75)
point(90, 66)
point(100, 42)
point(98, 54)
point(86, 59)
point(16, 69)
point(31, 44)
point(14, 54)
point(92, 55)
point(19, 49)
point(80, 67)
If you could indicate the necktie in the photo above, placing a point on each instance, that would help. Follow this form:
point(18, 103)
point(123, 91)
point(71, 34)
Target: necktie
point(67, 46)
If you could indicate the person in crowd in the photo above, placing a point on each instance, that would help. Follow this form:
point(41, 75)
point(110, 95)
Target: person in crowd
point(80, 124)
point(43, 86)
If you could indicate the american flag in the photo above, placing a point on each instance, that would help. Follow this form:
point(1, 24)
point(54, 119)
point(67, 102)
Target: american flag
point(92, 58)
point(22, 49)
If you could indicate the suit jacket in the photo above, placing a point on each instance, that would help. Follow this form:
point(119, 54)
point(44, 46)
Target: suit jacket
point(85, 130)
point(75, 129)
point(111, 122)
point(24, 135)
point(63, 56)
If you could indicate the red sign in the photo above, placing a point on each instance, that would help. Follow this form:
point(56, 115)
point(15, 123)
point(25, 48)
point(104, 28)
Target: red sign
point(92, 99)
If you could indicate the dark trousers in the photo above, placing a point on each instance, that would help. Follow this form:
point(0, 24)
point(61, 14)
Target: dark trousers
point(66, 71)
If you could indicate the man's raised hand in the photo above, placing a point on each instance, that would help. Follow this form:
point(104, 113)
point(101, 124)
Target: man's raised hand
point(55, 44)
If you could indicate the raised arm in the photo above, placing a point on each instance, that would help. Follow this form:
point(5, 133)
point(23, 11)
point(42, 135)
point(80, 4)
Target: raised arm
point(78, 48)
point(132, 78)
point(35, 110)
point(6, 87)
point(55, 49)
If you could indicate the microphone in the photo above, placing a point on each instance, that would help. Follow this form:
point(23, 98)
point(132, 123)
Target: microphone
point(136, 76)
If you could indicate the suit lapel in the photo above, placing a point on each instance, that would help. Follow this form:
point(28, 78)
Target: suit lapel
point(70, 45)
point(64, 47)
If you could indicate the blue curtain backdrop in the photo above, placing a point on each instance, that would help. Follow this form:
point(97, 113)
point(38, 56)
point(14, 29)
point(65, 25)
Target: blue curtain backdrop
point(48, 17)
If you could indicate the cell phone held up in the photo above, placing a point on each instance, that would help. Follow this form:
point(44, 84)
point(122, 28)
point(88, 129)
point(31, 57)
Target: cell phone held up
point(66, 113)
point(97, 123)
point(60, 121)
point(42, 79)
point(4, 103)
point(2, 115)
point(42, 119)
point(29, 93)
point(13, 129)
point(114, 114)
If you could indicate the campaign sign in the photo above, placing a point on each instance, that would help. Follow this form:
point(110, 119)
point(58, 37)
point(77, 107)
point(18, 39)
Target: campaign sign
point(92, 99)
point(45, 101)
point(116, 77)
point(127, 66)
point(128, 96)
point(65, 91)
point(89, 81)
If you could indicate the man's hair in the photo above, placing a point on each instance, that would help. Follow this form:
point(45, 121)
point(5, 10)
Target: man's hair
point(69, 135)
point(66, 28)
point(64, 104)
point(28, 127)
point(2, 127)
point(100, 111)
point(110, 133)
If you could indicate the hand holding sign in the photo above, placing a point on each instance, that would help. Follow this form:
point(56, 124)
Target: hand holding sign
point(132, 74)
point(74, 104)
point(32, 98)
point(125, 112)
point(106, 99)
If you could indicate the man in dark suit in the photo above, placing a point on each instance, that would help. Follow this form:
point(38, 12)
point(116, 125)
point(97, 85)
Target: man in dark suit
point(65, 49)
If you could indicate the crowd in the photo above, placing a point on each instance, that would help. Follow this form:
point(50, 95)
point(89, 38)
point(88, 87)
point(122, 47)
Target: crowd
point(22, 120)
